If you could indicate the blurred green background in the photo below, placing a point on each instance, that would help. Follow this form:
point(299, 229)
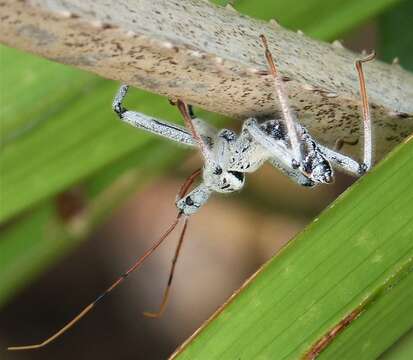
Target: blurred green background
point(83, 194)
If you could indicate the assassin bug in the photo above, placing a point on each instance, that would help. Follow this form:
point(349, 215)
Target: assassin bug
point(285, 143)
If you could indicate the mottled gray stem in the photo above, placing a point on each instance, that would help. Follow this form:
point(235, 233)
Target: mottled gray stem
point(212, 57)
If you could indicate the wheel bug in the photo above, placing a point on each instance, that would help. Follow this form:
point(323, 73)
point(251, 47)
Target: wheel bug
point(286, 144)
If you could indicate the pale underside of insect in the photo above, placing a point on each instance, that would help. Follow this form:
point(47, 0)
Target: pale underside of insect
point(228, 156)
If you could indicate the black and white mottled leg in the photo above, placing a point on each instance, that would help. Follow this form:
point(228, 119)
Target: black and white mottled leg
point(295, 174)
point(342, 161)
point(274, 149)
point(159, 127)
point(117, 104)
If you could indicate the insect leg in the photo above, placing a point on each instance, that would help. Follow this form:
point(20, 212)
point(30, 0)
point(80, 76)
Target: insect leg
point(277, 153)
point(89, 307)
point(295, 174)
point(204, 146)
point(286, 110)
point(205, 130)
point(153, 125)
point(171, 276)
point(342, 161)
point(368, 145)
point(275, 148)
point(346, 162)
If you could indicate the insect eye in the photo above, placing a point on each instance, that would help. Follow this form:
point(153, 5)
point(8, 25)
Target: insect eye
point(218, 170)
point(189, 201)
point(238, 175)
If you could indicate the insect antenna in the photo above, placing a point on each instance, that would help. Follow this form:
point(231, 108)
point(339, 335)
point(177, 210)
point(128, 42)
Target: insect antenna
point(187, 184)
point(283, 99)
point(182, 192)
point(171, 276)
point(368, 151)
point(89, 307)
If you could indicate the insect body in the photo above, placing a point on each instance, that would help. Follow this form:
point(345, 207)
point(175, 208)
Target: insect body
point(228, 156)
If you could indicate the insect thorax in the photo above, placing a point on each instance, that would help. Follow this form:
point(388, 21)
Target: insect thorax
point(221, 180)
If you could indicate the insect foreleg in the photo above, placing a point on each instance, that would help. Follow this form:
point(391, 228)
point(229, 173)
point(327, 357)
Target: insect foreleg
point(275, 148)
point(148, 123)
point(341, 161)
point(295, 174)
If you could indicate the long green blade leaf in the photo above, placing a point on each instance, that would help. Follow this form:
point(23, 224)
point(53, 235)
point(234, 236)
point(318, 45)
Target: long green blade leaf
point(336, 288)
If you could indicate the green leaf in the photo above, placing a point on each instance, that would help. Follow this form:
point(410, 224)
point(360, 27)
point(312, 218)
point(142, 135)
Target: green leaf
point(402, 350)
point(347, 279)
point(317, 18)
point(391, 25)
point(396, 36)
point(350, 273)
